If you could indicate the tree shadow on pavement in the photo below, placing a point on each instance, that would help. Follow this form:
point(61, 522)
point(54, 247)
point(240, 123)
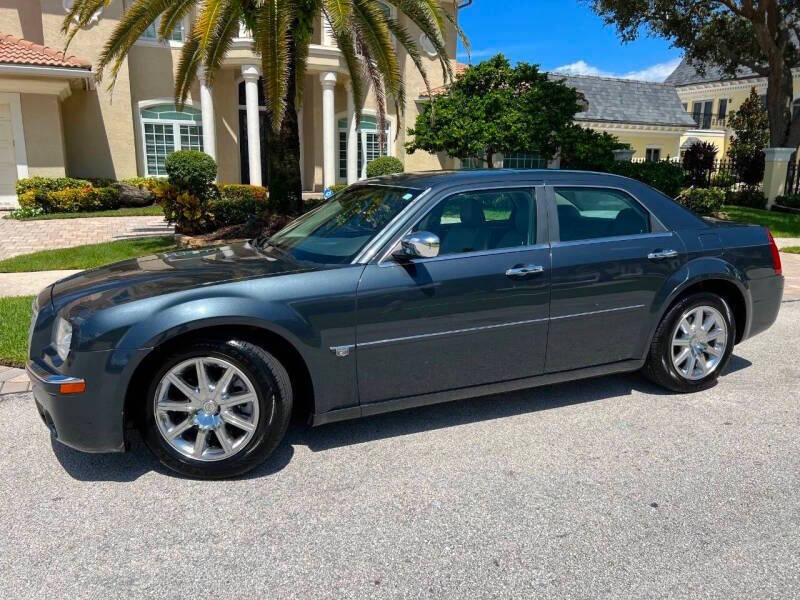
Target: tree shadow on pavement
point(138, 461)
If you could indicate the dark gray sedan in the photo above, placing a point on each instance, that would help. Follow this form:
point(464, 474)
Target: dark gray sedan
point(399, 292)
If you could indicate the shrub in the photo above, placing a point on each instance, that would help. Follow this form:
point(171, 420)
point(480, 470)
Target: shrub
point(792, 201)
point(338, 187)
point(190, 213)
point(144, 183)
point(698, 160)
point(723, 179)
point(703, 201)
point(193, 172)
point(238, 204)
point(26, 212)
point(384, 165)
point(78, 199)
point(667, 177)
point(49, 184)
point(747, 197)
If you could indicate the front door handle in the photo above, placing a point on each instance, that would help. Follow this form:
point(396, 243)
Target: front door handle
point(524, 270)
point(662, 254)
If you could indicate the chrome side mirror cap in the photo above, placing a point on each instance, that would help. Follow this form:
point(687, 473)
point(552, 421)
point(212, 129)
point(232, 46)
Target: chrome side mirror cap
point(420, 244)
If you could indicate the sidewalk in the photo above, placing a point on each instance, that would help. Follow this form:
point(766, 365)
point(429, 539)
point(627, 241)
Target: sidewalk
point(29, 284)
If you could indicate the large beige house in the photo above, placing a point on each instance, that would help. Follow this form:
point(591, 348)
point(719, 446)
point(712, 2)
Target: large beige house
point(55, 120)
point(711, 97)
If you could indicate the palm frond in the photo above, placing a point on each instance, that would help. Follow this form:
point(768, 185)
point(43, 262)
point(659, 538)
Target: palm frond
point(217, 45)
point(191, 58)
point(172, 17)
point(80, 15)
point(271, 35)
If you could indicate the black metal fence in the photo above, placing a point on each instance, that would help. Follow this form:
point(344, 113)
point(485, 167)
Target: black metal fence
point(721, 173)
point(792, 180)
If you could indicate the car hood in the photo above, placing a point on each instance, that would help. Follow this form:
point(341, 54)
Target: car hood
point(159, 274)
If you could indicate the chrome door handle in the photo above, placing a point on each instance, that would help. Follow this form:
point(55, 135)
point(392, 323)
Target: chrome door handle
point(524, 270)
point(661, 254)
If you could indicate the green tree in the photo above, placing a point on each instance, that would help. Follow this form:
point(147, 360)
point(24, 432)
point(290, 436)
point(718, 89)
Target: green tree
point(750, 126)
point(587, 149)
point(761, 35)
point(493, 107)
point(282, 33)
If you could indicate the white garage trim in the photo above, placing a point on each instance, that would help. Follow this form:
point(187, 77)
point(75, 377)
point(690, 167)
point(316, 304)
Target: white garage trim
point(18, 133)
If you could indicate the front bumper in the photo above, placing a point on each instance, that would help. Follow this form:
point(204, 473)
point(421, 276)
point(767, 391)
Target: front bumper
point(94, 420)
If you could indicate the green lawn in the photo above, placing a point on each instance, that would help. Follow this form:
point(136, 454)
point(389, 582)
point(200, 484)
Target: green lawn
point(15, 318)
point(86, 257)
point(782, 225)
point(791, 250)
point(144, 211)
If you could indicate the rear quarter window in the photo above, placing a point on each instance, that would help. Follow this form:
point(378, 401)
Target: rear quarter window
point(591, 213)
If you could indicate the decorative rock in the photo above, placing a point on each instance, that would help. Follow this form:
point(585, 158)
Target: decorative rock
point(133, 196)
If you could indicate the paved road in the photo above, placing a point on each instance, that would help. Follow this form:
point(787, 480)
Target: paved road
point(601, 489)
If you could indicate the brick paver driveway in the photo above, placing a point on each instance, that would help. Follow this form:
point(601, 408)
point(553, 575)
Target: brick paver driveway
point(23, 237)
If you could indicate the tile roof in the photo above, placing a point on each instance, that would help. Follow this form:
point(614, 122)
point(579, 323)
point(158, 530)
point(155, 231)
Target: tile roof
point(438, 91)
point(628, 101)
point(687, 74)
point(17, 51)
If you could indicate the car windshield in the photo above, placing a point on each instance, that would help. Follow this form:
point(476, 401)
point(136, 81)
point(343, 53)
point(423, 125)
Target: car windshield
point(338, 230)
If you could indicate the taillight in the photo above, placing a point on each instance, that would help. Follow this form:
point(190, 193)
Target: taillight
point(776, 255)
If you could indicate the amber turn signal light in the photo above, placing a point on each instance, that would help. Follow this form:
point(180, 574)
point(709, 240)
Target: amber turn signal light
point(73, 388)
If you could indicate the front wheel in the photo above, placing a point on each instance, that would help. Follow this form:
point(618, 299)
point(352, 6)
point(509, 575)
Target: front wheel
point(692, 344)
point(217, 409)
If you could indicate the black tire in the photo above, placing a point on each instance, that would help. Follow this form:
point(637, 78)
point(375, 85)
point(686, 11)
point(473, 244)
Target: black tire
point(269, 379)
point(659, 367)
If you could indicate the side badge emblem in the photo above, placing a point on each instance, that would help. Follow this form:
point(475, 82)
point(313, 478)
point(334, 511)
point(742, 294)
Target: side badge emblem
point(341, 351)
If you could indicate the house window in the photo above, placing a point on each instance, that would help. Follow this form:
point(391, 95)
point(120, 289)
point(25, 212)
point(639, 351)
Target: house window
point(722, 111)
point(652, 155)
point(702, 113)
point(795, 109)
point(165, 130)
point(151, 33)
point(369, 146)
point(523, 160)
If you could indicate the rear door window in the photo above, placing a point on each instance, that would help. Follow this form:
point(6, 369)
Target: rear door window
point(591, 213)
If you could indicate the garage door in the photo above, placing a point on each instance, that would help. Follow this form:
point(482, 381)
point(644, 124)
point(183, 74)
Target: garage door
point(8, 162)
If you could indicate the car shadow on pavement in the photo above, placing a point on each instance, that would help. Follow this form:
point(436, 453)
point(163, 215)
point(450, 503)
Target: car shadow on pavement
point(138, 461)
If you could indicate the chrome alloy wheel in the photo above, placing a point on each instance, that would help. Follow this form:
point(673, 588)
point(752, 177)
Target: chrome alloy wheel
point(699, 342)
point(206, 409)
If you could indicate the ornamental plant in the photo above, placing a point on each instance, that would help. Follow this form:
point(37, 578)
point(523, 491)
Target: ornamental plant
point(384, 165)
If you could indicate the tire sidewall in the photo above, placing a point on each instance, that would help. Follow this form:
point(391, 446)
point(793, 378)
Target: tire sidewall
point(269, 429)
point(671, 321)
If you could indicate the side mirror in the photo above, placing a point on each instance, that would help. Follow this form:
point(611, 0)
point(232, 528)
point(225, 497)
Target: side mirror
point(421, 244)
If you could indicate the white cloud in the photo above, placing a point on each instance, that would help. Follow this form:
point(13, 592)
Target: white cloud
point(656, 72)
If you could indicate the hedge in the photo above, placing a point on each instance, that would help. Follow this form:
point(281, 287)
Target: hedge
point(666, 177)
point(85, 198)
point(384, 165)
point(748, 198)
point(791, 201)
point(237, 204)
point(703, 201)
point(49, 184)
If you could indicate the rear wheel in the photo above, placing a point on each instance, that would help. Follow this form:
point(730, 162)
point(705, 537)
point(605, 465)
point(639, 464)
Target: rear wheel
point(692, 344)
point(217, 408)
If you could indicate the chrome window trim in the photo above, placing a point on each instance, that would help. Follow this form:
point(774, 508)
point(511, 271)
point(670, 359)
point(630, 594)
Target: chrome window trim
point(385, 259)
point(653, 216)
point(423, 336)
point(616, 238)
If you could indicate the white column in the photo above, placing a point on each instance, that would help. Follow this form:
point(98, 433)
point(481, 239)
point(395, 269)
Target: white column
point(352, 138)
point(207, 110)
point(251, 73)
point(328, 81)
point(327, 32)
point(302, 149)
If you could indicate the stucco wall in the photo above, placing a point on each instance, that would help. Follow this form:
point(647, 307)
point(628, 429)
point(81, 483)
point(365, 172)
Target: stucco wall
point(41, 120)
point(641, 139)
point(98, 124)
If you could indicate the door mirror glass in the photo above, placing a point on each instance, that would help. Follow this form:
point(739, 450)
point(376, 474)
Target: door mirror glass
point(421, 244)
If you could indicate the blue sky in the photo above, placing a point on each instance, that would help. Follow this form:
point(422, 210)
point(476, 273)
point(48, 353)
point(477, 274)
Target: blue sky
point(561, 35)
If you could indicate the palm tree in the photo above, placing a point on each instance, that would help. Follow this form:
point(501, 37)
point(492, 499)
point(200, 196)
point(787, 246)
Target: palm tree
point(281, 32)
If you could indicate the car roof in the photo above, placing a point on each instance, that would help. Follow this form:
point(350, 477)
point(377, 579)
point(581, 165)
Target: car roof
point(432, 179)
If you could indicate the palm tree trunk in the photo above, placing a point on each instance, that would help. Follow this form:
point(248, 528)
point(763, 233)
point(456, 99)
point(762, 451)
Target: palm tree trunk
point(285, 187)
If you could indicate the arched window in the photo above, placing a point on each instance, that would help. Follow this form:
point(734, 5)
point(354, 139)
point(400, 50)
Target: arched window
point(165, 130)
point(369, 146)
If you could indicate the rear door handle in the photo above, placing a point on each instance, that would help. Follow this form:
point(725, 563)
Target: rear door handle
point(524, 270)
point(662, 254)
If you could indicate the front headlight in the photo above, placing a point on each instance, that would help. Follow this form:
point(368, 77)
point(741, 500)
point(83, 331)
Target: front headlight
point(62, 337)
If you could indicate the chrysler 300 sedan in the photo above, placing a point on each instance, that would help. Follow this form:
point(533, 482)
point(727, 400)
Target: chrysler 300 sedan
point(398, 292)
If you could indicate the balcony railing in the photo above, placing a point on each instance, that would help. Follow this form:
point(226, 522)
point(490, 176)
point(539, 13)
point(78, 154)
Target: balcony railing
point(710, 121)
